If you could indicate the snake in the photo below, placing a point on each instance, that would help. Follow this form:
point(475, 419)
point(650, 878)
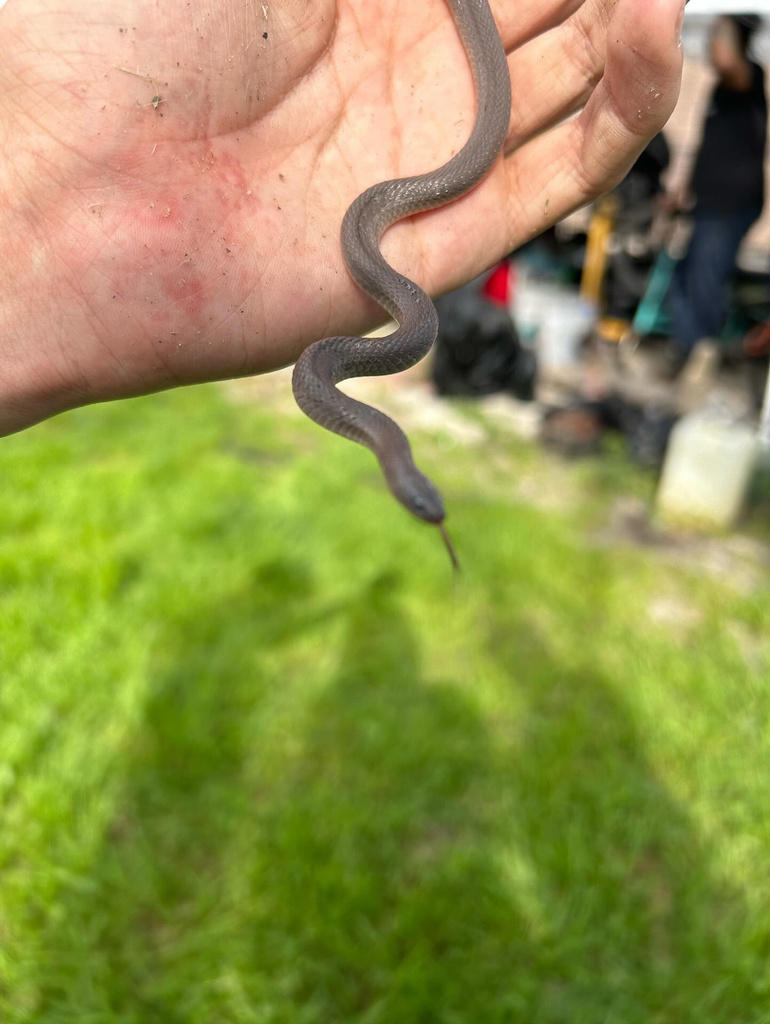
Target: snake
point(327, 362)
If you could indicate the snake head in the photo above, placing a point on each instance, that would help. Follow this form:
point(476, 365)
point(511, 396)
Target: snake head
point(417, 494)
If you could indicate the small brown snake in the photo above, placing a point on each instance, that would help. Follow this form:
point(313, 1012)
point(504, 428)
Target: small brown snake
point(327, 362)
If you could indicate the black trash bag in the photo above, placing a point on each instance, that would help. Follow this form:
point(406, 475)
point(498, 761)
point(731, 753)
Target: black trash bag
point(478, 350)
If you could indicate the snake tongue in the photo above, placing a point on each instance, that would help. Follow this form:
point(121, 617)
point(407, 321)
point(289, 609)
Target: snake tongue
point(449, 546)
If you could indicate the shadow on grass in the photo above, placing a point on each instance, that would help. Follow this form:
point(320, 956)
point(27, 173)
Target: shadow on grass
point(407, 861)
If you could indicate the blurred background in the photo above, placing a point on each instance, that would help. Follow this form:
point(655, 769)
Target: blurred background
point(264, 760)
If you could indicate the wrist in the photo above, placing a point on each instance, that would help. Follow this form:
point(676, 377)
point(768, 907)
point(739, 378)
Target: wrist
point(32, 385)
point(36, 378)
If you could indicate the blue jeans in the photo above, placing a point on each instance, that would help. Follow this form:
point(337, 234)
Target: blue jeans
point(699, 289)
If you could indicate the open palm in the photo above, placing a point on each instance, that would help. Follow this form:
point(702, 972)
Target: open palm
point(174, 175)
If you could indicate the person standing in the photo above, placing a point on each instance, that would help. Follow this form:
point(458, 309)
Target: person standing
point(727, 185)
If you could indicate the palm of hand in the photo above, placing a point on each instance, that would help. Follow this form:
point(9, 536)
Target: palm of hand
point(199, 178)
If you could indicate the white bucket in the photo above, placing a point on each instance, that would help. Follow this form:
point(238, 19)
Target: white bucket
point(554, 319)
point(567, 323)
point(528, 305)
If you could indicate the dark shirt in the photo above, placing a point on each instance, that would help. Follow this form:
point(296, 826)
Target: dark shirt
point(653, 162)
point(729, 171)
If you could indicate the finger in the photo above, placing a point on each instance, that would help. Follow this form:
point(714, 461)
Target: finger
point(572, 164)
point(570, 58)
point(521, 21)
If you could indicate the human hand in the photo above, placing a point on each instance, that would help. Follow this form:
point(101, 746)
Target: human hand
point(674, 202)
point(174, 176)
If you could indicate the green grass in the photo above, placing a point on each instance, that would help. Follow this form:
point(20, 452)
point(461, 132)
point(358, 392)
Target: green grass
point(263, 762)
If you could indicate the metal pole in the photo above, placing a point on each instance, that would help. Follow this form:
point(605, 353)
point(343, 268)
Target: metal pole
point(764, 420)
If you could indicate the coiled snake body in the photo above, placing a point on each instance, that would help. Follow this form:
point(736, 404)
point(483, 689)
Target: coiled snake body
point(325, 363)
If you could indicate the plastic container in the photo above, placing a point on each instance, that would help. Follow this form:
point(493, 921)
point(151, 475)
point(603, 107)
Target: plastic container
point(707, 472)
point(552, 319)
point(530, 298)
point(568, 322)
point(565, 321)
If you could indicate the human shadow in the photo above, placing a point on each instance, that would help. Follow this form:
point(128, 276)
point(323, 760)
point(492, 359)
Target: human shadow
point(424, 865)
point(410, 857)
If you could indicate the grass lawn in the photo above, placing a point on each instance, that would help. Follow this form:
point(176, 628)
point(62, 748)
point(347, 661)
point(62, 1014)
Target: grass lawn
point(262, 761)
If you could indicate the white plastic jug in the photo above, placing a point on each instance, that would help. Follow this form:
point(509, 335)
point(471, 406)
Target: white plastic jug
point(707, 472)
